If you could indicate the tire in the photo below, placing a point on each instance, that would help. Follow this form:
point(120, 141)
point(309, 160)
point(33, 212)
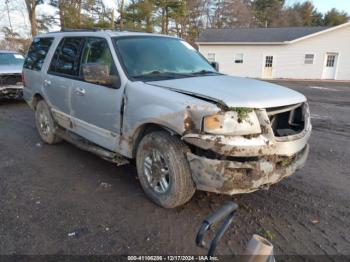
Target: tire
point(45, 123)
point(168, 156)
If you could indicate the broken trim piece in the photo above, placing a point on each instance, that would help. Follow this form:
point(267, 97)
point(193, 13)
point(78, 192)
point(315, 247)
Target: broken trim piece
point(84, 144)
point(11, 92)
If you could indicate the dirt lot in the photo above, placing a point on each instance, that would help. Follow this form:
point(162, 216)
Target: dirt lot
point(46, 192)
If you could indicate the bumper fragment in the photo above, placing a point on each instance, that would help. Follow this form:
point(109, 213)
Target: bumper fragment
point(234, 177)
point(11, 92)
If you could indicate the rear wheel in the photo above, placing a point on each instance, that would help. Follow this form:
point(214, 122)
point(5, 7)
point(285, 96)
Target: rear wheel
point(163, 169)
point(45, 123)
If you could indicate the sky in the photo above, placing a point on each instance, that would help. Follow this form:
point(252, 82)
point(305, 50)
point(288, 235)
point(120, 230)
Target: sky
point(20, 20)
point(21, 23)
point(325, 5)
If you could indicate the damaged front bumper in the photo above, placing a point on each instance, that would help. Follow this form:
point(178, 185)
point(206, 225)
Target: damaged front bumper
point(243, 164)
point(236, 177)
point(11, 92)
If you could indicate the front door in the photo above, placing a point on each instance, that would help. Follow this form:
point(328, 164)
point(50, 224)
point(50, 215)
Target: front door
point(330, 66)
point(268, 66)
point(96, 105)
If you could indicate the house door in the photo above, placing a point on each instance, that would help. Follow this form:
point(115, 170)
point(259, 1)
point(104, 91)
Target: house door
point(268, 66)
point(330, 66)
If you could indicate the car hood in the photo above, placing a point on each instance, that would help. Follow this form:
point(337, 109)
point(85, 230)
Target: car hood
point(10, 69)
point(234, 91)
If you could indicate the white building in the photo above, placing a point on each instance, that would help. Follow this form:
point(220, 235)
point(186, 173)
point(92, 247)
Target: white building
point(290, 52)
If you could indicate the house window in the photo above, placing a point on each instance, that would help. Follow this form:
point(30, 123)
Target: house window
point(309, 59)
point(330, 60)
point(239, 59)
point(211, 57)
point(268, 61)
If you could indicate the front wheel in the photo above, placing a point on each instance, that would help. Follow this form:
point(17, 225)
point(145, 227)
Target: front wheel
point(163, 169)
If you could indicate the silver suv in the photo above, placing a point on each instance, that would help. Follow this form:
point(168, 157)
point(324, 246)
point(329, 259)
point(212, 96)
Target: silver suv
point(154, 98)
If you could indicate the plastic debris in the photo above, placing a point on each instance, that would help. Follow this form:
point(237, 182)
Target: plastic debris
point(105, 185)
point(78, 232)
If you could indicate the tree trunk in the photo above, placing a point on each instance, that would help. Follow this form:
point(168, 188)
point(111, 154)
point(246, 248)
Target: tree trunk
point(163, 20)
point(31, 5)
point(112, 14)
point(121, 15)
point(61, 13)
point(79, 13)
point(8, 14)
point(166, 20)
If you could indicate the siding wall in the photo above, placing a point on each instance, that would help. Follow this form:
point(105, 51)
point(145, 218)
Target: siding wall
point(288, 59)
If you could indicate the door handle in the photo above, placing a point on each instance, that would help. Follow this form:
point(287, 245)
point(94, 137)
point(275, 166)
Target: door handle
point(47, 82)
point(80, 91)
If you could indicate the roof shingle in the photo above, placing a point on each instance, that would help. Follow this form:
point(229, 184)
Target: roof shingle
point(257, 35)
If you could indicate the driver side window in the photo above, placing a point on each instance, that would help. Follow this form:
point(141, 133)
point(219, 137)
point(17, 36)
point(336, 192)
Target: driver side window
point(97, 65)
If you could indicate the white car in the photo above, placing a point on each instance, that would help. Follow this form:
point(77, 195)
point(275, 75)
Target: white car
point(11, 64)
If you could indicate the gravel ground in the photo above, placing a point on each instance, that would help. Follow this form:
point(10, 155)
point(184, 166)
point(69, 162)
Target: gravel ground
point(48, 192)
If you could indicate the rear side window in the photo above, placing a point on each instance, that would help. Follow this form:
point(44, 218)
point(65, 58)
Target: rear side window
point(67, 56)
point(37, 53)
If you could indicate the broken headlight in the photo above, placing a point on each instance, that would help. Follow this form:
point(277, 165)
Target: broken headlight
point(240, 122)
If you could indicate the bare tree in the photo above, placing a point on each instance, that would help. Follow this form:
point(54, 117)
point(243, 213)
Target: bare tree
point(121, 5)
point(31, 5)
point(8, 14)
point(239, 13)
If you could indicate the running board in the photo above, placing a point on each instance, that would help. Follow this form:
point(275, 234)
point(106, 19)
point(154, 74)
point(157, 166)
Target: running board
point(83, 144)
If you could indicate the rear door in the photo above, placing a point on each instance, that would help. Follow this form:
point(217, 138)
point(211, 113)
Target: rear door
point(96, 103)
point(33, 66)
point(63, 69)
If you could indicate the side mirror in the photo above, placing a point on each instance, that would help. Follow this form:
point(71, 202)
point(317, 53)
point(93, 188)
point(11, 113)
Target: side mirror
point(99, 74)
point(215, 65)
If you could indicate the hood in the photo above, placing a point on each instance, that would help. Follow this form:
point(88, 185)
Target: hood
point(10, 69)
point(234, 91)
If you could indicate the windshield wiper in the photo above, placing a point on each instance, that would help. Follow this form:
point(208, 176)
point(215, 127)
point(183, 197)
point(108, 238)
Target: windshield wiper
point(205, 72)
point(165, 74)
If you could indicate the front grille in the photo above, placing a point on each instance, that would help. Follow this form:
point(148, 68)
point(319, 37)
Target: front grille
point(10, 79)
point(287, 120)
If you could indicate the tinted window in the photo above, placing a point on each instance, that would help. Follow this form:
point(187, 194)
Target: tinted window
point(97, 65)
point(37, 53)
point(67, 56)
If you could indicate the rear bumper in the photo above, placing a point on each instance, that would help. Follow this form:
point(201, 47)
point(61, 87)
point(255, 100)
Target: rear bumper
point(11, 91)
point(235, 177)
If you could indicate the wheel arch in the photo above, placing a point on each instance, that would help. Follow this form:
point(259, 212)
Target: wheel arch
point(36, 98)
point(147, 128)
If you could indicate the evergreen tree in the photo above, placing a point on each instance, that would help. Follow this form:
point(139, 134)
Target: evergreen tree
point(335, 17)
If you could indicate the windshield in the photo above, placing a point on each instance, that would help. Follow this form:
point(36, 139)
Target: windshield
point(159, 57)
point(11, 59)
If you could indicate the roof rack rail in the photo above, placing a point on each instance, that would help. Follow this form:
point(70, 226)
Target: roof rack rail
point(82, 30)
point(67, 30)
point(78, 30)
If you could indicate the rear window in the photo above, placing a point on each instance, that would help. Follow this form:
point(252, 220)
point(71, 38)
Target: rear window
point(11, 59)
point(37, 53)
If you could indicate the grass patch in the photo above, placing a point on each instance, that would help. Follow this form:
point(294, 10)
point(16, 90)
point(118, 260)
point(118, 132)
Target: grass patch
point(242, 112)
point(265, 233)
